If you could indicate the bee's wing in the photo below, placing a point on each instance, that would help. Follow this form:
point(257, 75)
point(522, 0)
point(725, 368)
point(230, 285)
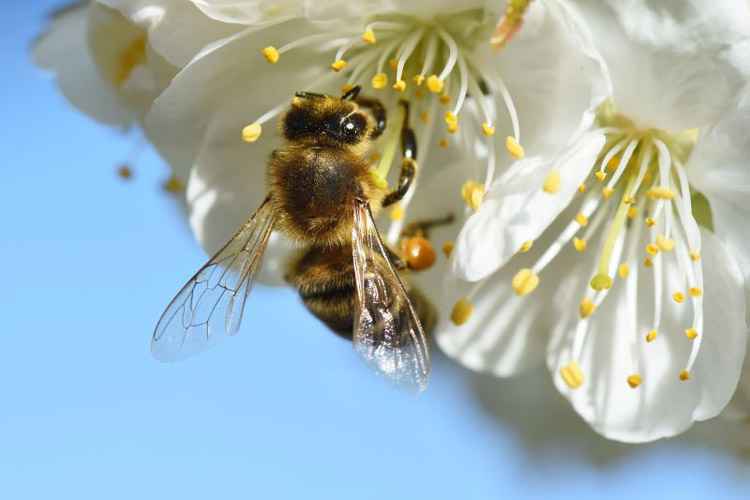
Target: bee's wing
point(210, 305)
point(387, 331)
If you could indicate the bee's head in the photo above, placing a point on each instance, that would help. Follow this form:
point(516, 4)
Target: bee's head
point(327, 119)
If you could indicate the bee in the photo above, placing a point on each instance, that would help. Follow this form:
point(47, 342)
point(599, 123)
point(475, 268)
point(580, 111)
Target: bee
point(323, 195)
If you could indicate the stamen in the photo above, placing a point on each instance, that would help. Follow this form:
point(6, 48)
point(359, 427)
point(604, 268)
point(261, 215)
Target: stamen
point(684, 375)
point(429, 59)
point(515, 149)
point(678, 297)
point(525, 281)
point(586, 308)
point(271, 54)
point(453, 53)
point(435, 84)
point(406, 52)
point(252, 132)
point(462, 311)
point(526, 246)
point(552, 182)
point(463, 74)
point(472, 193)
point(634, 381)
point(448, 247)
point(510, 23)
point(572, 375)
point(651, 336)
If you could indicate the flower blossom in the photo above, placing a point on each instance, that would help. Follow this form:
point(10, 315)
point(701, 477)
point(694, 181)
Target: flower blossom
point(217, 119)
point(618, 256)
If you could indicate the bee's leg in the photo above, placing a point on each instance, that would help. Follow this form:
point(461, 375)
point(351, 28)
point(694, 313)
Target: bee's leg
point(422, 227)
point(378, 112)
point(408, 163)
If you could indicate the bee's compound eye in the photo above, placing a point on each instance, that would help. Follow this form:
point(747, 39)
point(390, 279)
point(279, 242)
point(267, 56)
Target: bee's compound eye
point(352, 126)
point(418, 253)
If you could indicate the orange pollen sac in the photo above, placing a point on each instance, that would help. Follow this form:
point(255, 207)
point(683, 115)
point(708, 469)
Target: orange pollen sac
point(418, 253)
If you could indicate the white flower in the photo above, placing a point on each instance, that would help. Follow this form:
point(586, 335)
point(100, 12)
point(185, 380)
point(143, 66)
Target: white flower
point(642, 300)
point(465, 96)
point(106, 54)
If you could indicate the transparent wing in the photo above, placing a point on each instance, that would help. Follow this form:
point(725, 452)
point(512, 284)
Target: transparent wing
point(387, 331)
point(210, 305)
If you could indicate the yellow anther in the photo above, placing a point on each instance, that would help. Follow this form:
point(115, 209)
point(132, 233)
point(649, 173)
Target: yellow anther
point(252, 132)
point(651, 336)
point(600, 175)
point(419, 80)
point(346, 88)
point(695, 255)
point(472, 193)
point(448, 248)
point(684, 375)
point(445, 99)
point(581, 219)
point(628, 200)
point(369, 37)
point(133, 56)
point(174, 185)
point(652, 249)
point(443, 143)
point(648, 262)
point(665, 244)
point(379, 81)
point(607, 192)
point(691, 333)
point(525, 281)
point(552, 182)
point(424, 116)
point(124, 172)
point(515, 149)
point(338, 65)
point(572, 375)
point(393, 63)
point(397, 212)
point(452, 128)
point(613, 163)
point(678, 297)
point(450, 118)
point(586, 308)
point(461, 312)
point(623, 270)
point(579, 244)
point(632, 213)
point(660, 193)
point(271, 54)
point(378, 180)
point(694, 291)
point(634, 381)
point(582, 188)
point(601, 282)
point(526, 246)
point(488, 129)
point(435, 84)
point(650, 222)
point(399, 86)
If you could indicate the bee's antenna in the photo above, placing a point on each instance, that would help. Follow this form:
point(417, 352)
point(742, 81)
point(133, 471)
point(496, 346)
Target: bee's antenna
point(352, 94)
point(308, 95)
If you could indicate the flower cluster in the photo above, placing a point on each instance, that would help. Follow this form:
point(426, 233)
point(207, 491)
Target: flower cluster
point(595, 155)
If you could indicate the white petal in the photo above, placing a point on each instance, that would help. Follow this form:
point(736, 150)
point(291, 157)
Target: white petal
point(177, 30)
point(256, 11)
point(674, 64)
point(63, 49)
point(111, 36)
point(719, 167)
point(662, 406)
point(517, 209)
point(554, 74)
point(506, 334)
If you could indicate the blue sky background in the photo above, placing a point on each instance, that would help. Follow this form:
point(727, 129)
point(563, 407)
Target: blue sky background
point(285, 410)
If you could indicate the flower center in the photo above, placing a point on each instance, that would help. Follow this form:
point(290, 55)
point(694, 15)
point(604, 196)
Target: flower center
point(637, 202)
